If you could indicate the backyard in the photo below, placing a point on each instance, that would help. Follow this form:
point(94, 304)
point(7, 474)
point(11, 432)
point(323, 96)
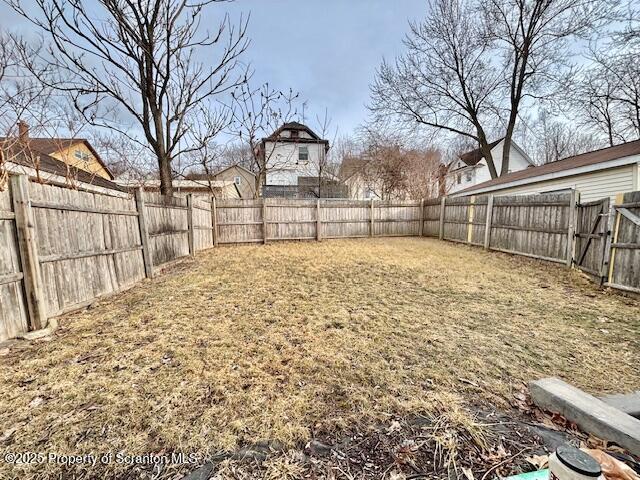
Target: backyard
point(290, 342)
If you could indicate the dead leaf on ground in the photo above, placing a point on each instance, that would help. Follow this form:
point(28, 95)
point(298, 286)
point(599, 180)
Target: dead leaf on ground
point(539, 461)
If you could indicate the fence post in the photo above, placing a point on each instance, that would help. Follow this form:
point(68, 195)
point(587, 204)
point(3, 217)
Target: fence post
point(421, 217)
point(488, 220)
point(606, 238)
point(214, 221)
point(191, 235)
point(371, 230)
point(144, 234)
point(264, 220)
point(471, 212)
point(318, 222)
point(571, 239)
point(616, 229)
point(443, 203)
point(25, 227)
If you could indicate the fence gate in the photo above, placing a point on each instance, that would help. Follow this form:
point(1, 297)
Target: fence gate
point(622, 264)
point(591, 237)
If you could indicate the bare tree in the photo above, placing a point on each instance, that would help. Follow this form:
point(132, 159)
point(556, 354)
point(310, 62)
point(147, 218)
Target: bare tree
point(446, 78)
point(28, 107)
point(141, 58)
point(256, 113)
point(556, 140)
point(325, 169)
point(423, 172)
point(532, 37)
point(472, 65)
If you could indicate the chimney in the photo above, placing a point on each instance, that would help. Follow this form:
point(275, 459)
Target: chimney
point(23, 131)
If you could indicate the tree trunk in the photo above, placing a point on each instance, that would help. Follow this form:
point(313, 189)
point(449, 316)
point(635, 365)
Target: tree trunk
point(506, 150)
point(166, 184)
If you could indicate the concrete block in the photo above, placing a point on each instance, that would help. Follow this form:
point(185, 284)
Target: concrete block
point(589, 413)
point(629, 403)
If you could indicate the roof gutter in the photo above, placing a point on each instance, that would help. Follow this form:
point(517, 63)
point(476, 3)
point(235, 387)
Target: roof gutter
point(620, 162)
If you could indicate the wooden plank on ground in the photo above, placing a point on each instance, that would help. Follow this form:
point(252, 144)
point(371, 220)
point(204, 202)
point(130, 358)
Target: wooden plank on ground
point(590, 414)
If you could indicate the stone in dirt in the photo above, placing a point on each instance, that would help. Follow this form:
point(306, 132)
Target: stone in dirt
point(202, 473)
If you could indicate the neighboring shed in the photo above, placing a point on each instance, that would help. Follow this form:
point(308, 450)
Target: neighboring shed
point(597, 174)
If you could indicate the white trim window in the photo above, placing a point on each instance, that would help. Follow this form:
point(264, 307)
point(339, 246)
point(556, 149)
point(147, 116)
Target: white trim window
point(303, 154)
point(237, 180)
point(80, 155)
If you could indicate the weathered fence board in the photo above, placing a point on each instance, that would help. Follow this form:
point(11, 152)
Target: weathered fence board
point(431, 218)
point(532, 225)
point(345, 218)
point(591, 236)
point(13, 314)
point(624, 268)
point(167, 225)
point(84, 252)
point(202, 224)
point(239, 221)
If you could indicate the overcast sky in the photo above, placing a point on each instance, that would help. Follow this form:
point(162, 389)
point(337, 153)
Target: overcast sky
point(327, 50)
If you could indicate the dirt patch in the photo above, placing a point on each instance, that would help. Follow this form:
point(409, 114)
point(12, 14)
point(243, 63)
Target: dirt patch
point(295, 341)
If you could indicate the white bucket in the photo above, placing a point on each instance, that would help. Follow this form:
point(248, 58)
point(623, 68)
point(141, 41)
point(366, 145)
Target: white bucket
point(570, 463)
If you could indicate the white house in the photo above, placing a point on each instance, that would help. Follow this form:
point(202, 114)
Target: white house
point(595, 175)
point(471, 168)
point(291, 152)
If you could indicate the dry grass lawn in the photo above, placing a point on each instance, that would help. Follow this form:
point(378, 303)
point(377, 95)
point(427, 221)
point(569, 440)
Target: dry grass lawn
point(291, 340)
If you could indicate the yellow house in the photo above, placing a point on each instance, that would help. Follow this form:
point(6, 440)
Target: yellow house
point(76, 152)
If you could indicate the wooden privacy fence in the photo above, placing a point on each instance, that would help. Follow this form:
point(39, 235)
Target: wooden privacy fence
point(538, 226)
point(60, 249)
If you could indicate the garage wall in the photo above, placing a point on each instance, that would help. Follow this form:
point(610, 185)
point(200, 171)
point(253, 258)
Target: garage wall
point(591, 186)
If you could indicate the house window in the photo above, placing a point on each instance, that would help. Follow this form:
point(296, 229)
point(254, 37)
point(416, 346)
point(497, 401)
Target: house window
point(468, 176)
point(80, 155)
point(458, 179)
point(236, 180)
point(303, 154)
point(294, 134)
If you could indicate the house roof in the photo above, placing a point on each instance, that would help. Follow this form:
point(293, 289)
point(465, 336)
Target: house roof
point(296, 126)
point(57, 167)
point(472, 157)
point(529, 175)
point(52, 145)
point(232, 166)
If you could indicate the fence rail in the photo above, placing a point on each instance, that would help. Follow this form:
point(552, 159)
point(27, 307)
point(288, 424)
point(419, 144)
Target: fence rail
point(60, 249)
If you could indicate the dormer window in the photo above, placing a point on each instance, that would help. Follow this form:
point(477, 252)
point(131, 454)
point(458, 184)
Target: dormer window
point(295, 134)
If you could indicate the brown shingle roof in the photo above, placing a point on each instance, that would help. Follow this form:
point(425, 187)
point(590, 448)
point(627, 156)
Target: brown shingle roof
point(297, 127)
point(47, 163)
point(472, 157)
point(52, 145)
point(582, 160)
